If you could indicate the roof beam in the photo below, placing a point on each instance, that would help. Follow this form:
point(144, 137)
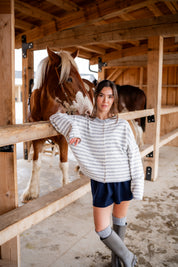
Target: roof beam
point(138, 61)
point(33, 11)
point(121, 53)
point(139, 50)
point(172, 6)
point(66, 5)
point(21, 24)
point(124, 31)
point(93, 49)
point(155, 10)
point(91, 14)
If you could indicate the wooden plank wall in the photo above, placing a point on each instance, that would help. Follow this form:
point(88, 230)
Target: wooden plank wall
point(138, 76)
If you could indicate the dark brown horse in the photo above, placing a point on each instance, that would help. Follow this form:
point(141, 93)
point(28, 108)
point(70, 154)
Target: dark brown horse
point(132, 98)
point(58, 87)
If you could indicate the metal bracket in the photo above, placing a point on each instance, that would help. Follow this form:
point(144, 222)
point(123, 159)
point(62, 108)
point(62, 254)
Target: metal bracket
point(25, 153)
point(151, 118)
point(101, 64)
point(25, 46)
point(9, 148)
point(150, 155)
point(148, 173)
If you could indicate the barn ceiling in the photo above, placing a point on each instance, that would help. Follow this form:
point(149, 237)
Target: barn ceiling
point(112, 30)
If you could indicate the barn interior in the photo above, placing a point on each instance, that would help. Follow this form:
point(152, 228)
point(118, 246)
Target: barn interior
point(133, 42)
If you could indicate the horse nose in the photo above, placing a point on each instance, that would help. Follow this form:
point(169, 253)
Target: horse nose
point(87, 112)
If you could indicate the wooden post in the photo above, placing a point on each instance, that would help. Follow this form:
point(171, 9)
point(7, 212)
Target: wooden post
point(8, 177)
point(27, 79)
point(154, 81)
point(101, 75)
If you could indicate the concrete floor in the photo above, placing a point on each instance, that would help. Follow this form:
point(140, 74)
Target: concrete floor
point(68, 239)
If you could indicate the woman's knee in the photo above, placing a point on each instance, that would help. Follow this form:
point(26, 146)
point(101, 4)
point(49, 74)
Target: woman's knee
point(120, 210)
point(101, 217)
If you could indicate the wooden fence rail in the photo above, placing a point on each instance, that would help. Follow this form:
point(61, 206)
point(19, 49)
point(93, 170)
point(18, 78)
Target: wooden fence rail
point(12, 134)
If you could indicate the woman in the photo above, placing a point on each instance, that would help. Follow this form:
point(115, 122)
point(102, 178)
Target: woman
point(107, 153)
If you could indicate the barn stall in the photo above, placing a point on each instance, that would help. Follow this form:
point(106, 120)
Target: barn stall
point(133, 43)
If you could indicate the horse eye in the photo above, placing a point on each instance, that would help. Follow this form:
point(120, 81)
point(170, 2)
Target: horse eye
point(69, 80)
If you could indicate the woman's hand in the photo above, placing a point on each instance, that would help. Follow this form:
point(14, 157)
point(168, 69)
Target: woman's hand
point(74, 141)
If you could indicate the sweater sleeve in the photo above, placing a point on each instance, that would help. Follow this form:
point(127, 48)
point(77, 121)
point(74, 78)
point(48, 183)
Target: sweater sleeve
point(136, 167)
point(66, 125)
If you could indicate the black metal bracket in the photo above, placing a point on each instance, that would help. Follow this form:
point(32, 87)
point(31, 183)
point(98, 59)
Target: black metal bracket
point(148, 173)
point(9, 148)
point(151, 118)
point(25, 46)
point(25, 153)
point(150, 155)
point(101, 64)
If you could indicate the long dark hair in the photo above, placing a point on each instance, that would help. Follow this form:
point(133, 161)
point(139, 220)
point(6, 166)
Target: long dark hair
point(100, 86)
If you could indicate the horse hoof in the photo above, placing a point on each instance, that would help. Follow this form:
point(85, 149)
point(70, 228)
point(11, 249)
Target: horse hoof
point(26, 197)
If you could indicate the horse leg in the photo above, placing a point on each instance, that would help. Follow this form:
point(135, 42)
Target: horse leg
point(64, 165)
point(33, 187)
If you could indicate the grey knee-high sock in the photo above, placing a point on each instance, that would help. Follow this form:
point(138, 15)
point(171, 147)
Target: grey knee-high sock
point(105, 233)
point(115, 243)
point(119, 226)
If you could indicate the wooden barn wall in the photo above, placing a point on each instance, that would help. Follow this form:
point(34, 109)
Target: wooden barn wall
point(138, 76)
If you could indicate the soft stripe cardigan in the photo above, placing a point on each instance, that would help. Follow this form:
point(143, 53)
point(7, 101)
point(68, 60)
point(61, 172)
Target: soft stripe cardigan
point(107, 151)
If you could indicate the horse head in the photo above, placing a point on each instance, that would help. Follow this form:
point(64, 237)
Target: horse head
point(64, 84)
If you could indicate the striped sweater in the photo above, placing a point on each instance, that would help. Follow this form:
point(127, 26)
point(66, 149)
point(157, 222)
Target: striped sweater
point(107, 151)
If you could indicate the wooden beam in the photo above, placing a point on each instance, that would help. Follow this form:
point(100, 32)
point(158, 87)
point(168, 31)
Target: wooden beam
point(168, 137)
point(94, 49)
point(21, 24)
point(116, 32)
point(155, 10)
point(147, 148)
point(171, 6)
point(66, 5)
point(17, 221)
point(168, 59)
point(17, 133)
point(32, 11)
point(92, 14)
point(139, 50)
point(113, 45)
point(169, 109)
point(154, 89)
point(116, 74)
point(26, 132)
point(136, 114)
point(8, 171)
point(27, 78)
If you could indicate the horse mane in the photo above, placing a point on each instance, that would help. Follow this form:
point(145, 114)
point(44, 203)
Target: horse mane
point(43, 68)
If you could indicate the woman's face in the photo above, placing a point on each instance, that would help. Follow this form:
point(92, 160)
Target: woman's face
point(105, 100)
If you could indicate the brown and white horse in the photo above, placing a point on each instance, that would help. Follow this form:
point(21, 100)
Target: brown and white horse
point(58, 87)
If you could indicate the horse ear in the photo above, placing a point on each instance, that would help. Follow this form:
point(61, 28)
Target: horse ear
point(53, 57)
point(75, 53)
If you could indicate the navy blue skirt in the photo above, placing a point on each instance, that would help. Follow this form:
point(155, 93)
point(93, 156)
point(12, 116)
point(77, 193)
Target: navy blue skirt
point(105, 194)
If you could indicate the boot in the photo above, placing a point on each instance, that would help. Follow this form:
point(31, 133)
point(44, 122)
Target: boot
point(115, 243)
point(120, 230)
